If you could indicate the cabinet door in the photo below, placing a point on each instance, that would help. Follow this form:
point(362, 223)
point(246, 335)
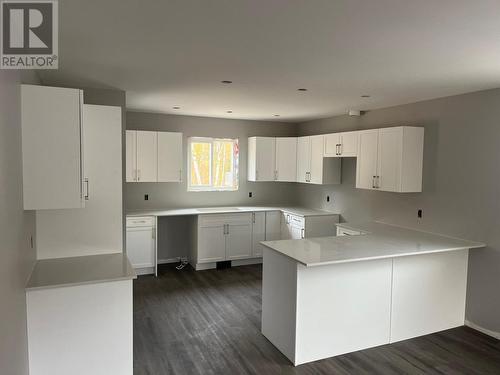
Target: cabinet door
point(367, 159)
point(131, 155)
point(390, 142)
point(349, 144)
point(211, 244)
point(303, 159)
point(332, 142)
point(141, 247)
point(286, 226)
point(297, 232)
point(239, 241)
point(52, 149)
point(169, 157)
point(286, 159)
point(258, 232)
point(147, 156)
point(316, 169)
point(265, 159)
point(273, 225)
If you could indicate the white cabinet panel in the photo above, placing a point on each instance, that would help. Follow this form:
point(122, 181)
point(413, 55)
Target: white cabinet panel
point(98, 228)
point(131, 155)
point(273, 225)
point(286, 159)
point(258, 232)
point(169, 157)
point(261, 158)
point(367, 159)
point(147, 156)
point(286, 226)
point(303, 159)
point(349, 144)
point(316, 157)
point(389, 159)
point(141, 247)
point(239, 241)
point(332, 142)
point(52, 147)
point(211, 244)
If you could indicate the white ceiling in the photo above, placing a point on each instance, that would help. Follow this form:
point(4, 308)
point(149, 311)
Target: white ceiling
point(167, 53)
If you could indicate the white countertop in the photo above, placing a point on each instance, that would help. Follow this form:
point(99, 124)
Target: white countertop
point(299, 211)
point(52, 273)
point(379, 241)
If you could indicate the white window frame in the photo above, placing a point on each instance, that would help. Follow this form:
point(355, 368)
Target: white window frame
point(210, 187)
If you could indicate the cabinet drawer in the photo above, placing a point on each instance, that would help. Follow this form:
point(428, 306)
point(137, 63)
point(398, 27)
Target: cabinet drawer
point(221, 219)
point(142, 221)
point(297, 221)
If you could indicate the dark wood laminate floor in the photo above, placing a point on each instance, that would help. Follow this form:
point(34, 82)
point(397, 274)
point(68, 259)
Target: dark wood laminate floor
point(208, 322)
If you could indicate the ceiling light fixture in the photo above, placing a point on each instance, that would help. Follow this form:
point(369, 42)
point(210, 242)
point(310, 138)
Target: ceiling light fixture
point(301, 89)
point(226, 82)
point(176, 107)
point(365, 96)
point(229, 111)
point(276, 115)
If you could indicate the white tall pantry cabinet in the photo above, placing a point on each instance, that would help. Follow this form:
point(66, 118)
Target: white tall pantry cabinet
point(53, 147)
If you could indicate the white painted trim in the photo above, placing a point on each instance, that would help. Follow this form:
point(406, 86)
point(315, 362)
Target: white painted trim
point(486, 331)
point(205, 266)
point(145, 271)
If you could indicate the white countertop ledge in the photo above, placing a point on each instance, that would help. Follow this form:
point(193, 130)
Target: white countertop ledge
point(299, 211)
point(92, 269)
point(379, 241)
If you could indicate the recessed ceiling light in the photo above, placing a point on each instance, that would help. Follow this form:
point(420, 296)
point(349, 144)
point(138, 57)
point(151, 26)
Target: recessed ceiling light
point(365, 96)
point(229, 111)
point(176, 107)
point(301, 89)
point(276, 115)
point(226, 82)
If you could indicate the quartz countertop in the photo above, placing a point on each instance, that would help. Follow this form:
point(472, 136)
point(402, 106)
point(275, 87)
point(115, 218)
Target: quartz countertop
point(60, 272)
point(299, 211)
point(378, 241)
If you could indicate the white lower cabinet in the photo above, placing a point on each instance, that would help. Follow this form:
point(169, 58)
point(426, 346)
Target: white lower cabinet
point(258, 232)
point(141, 244)
point(239, 241)
point(211, 243)
point(295, 227)
point(273, 225)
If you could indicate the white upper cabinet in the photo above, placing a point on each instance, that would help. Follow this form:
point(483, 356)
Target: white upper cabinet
point(303, 159)
point(286, 159)
point(342, 144)
point(153, 156)
point(52, 139)
point(391, 159)
point(131, 155)
point(169, 157)
point(261, 158)
point(367, 159)
point(147, 156)
point(312, 167)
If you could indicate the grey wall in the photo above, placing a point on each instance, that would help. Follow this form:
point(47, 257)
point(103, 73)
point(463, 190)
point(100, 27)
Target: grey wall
point(174, 232)
point(163, 195)
point(16, 227)
point(461, 184)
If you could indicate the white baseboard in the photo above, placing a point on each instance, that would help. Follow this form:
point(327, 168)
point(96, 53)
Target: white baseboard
point(145, 271)
point(482, 330)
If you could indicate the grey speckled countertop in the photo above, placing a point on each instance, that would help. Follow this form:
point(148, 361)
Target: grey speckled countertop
point(91, 269)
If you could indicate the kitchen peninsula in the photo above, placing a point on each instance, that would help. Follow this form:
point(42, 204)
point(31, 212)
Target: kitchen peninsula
point(327, 296)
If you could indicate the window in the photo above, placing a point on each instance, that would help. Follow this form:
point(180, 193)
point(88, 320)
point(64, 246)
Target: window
point(213, 164)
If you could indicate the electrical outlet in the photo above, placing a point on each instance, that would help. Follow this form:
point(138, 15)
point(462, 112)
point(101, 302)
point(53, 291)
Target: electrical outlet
point(250, 194)
point(146, 197)
point(328, 198)
point(419, 213)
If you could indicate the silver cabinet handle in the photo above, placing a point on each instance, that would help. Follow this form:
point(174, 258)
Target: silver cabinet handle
point(180, 175)
point(302, 233)
point(373, 182)
point(86, 180)
point(288, 219)
point(253, 217)
point(337, 149)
